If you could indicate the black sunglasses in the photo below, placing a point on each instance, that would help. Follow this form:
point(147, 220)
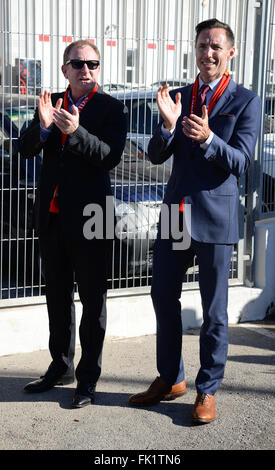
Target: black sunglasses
point(78, 64)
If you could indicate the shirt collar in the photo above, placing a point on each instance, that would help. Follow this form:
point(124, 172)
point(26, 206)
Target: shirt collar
point(72, 101)
point(212, 85)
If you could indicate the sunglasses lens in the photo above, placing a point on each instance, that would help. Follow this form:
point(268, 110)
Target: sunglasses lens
point(92, 64)
point(78, 64)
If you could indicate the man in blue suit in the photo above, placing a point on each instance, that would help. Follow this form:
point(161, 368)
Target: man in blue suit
point(211, 128)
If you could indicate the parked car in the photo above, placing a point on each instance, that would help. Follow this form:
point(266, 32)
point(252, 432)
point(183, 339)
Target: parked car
point(111, 87)
point(173, 82)
point(143, 117)
point(19, 253)
point(142, 184)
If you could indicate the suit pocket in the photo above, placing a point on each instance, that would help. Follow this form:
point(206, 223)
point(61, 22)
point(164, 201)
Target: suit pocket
point(226, 115)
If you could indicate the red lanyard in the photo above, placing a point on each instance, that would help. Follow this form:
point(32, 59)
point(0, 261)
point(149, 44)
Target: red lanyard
point(80, 107)
point(216, 95)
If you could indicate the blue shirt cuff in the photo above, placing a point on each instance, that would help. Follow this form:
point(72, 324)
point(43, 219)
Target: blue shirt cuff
point(44, 133)
point(167, 134)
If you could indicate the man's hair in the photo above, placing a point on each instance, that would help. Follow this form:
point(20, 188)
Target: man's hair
point(214, 23)
point(79, 43)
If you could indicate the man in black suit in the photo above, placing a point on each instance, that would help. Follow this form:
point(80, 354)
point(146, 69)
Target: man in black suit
point(82, 133)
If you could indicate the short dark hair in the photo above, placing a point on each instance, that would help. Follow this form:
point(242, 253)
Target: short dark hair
point(79, 43)
point(214, 23)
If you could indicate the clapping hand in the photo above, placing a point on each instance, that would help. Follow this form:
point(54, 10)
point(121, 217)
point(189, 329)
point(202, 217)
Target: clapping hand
point(195, 127)
point(65, 121)
point(169, 110)
point(46, 109)
point(49, 114)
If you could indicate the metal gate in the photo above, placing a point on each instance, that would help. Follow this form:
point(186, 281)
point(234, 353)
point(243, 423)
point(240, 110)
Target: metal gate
point(266, 87)
point(142, 43)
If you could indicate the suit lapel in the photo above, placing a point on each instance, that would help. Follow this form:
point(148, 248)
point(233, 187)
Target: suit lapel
point(225, 99)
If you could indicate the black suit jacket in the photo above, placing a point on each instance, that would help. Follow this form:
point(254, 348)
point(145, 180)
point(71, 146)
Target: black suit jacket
point(80, 169)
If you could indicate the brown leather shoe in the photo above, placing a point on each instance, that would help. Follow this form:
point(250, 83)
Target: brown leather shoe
point(177, 390)
point(204, 408)
point(158, 390)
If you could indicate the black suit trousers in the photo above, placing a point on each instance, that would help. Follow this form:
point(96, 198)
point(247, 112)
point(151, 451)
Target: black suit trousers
point(67, 261)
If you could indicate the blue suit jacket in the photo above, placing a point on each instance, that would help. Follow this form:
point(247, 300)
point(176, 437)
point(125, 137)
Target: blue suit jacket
point(208, 179)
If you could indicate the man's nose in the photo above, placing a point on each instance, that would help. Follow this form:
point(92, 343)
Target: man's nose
point(208, 51)
point(85, 67)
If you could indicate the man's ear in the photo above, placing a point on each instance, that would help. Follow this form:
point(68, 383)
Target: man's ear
point(64, 70)
point(231, 53)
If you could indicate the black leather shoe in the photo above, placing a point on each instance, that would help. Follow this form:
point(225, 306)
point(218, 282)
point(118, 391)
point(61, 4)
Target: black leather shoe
point(84, 395)
point(49, 380)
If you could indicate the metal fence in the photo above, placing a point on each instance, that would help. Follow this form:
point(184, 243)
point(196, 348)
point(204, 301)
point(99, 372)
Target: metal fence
point(267, 149)
point(142, 44)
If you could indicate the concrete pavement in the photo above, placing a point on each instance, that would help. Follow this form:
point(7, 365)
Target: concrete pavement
point(245, 402)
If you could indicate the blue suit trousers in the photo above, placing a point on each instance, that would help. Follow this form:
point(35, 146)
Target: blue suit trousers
point(169, 269)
